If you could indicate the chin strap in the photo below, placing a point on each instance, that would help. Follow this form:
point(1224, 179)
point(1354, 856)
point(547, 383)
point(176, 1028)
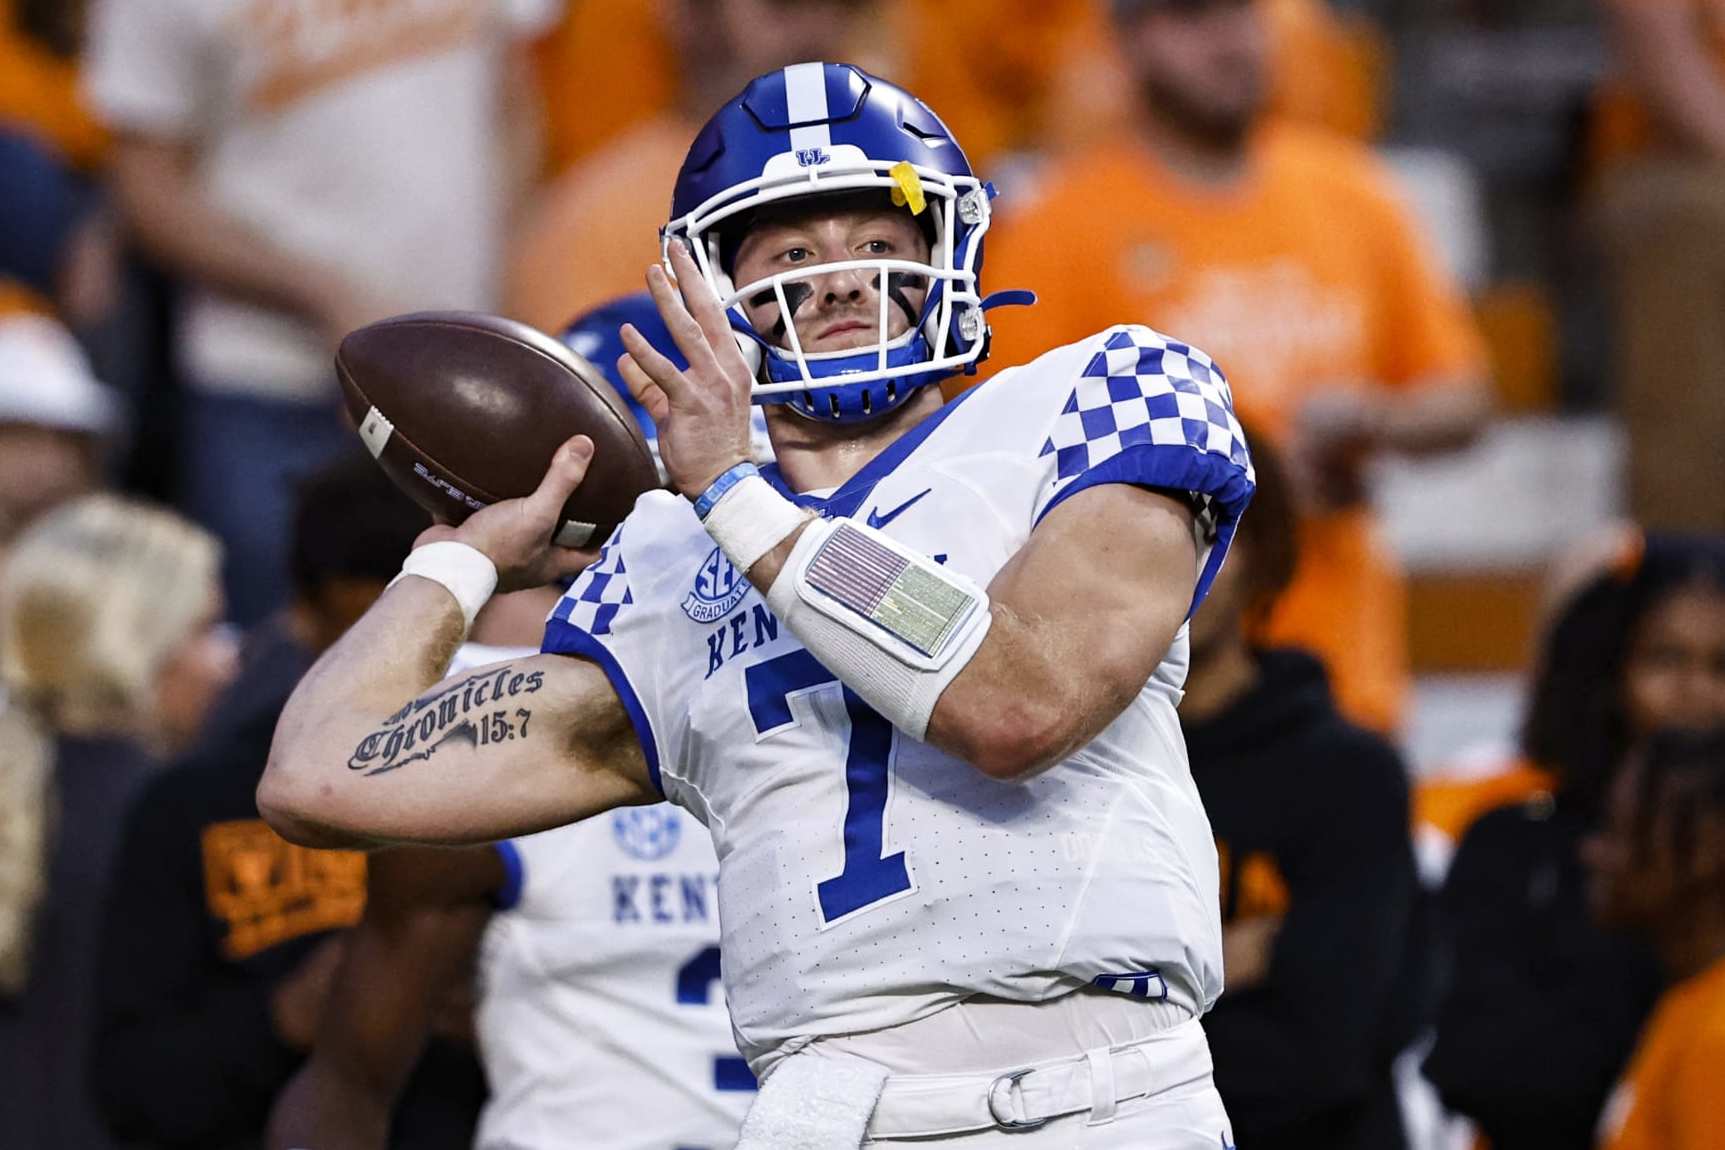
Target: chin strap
point(1012, 297)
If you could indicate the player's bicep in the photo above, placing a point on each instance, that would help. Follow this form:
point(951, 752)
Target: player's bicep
point(1109, 574)
point(1081, 617)
point(505, 749)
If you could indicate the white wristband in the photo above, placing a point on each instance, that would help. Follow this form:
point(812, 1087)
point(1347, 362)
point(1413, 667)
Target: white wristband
point(752, 519)
point(464, 572)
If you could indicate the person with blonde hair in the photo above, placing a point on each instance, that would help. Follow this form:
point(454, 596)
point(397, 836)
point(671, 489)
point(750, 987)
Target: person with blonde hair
point(110, 656)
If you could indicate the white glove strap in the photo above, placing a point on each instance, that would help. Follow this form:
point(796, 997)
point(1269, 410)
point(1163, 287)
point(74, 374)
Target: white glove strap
point(893, 625)
point(463, 571)
point(752, 519)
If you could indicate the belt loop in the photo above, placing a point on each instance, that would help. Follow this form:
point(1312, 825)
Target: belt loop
point(1102, 1089)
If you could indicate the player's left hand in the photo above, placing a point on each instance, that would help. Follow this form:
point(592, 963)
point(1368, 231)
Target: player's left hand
point(702, 412)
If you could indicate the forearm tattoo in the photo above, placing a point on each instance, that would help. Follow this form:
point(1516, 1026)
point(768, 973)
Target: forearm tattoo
point(480, 711)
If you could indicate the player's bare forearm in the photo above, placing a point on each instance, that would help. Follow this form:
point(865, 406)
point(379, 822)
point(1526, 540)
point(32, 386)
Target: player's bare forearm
point(372, 749)
point(425, 912)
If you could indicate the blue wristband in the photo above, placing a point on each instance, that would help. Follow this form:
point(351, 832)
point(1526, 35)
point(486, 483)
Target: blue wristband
point(718, 489)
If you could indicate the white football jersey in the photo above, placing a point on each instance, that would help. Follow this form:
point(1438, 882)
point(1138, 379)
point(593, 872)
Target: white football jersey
point(601, 1019)
point(867, 879)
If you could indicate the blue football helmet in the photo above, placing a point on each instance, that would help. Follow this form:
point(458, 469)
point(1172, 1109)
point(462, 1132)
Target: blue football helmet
point(816, 129)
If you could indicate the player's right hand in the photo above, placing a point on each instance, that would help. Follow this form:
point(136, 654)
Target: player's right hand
point(515, 534)
point(703, 411)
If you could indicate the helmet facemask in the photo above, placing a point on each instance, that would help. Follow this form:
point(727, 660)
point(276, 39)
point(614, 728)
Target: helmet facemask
point(944, 336)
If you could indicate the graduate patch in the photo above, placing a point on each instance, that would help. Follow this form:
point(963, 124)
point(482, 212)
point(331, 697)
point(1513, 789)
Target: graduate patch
point(719, 587)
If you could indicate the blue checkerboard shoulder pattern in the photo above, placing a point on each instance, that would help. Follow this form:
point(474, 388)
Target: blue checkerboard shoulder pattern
point(599, 592)
point(1144, 389)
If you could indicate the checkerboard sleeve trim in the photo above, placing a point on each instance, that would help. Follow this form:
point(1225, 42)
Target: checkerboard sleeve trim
point(1153, 412)
point(599, 592)
point(585, 613)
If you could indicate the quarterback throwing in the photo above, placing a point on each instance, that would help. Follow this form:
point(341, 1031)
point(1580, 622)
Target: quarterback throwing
point(917, 678)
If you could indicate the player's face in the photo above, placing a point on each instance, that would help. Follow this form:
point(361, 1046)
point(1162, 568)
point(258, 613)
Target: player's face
point(837, 310)
point(1204, 64)
point(1675, 676)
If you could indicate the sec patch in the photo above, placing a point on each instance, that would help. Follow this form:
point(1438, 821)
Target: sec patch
point(719, 587)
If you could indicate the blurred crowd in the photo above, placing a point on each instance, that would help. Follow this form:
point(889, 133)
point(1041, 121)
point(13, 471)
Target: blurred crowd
point(1406, 230)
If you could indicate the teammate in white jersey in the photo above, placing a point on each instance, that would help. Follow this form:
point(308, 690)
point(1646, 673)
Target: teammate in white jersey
point(918, 679)
point(599, 1016)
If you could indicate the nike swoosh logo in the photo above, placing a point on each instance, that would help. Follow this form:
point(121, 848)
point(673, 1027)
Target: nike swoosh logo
point(877, 520)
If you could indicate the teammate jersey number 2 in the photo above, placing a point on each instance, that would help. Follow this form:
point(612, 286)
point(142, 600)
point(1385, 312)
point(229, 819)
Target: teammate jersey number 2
point(869, 875)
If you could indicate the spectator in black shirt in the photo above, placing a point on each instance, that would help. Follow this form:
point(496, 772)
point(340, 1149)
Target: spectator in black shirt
point(220, 939)
point(110, 656)
point(1542, 1007)
point(1318, 884)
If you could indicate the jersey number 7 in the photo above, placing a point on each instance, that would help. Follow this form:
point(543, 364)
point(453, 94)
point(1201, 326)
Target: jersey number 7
point(867, 877)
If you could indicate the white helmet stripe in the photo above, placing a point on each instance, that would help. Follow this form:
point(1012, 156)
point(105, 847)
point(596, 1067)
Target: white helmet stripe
point(806, 99)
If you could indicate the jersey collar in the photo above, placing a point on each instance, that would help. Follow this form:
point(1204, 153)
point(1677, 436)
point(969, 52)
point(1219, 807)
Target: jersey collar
point(849, 498)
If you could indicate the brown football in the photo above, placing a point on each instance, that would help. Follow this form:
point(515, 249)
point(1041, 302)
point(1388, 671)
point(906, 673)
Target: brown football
point(463, 409)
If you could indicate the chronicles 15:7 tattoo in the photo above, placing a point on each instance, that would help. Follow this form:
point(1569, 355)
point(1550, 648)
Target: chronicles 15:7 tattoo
point(478, 711)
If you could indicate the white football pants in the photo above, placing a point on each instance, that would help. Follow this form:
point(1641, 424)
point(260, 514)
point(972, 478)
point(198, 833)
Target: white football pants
point(1136, 1074)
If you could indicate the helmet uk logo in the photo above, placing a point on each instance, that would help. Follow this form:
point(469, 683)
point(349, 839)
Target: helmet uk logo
point(811, 157)
point(719, 587)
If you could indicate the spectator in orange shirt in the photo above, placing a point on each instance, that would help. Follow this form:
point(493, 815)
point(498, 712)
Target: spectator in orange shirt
point(602, 70)
point(1326, 71)
point(1659, 867)
point(1663, 214)
point(594, 230)
point(1288, 251)
point(1008, 92)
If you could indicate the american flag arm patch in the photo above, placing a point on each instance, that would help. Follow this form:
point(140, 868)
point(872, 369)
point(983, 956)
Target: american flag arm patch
point(913, 607)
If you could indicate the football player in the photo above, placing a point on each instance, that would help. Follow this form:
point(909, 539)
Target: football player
point(917, 678)
point(597, 947)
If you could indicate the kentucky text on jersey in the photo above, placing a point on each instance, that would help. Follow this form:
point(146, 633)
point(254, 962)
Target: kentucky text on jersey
point(664, 898)
point(742, 631)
